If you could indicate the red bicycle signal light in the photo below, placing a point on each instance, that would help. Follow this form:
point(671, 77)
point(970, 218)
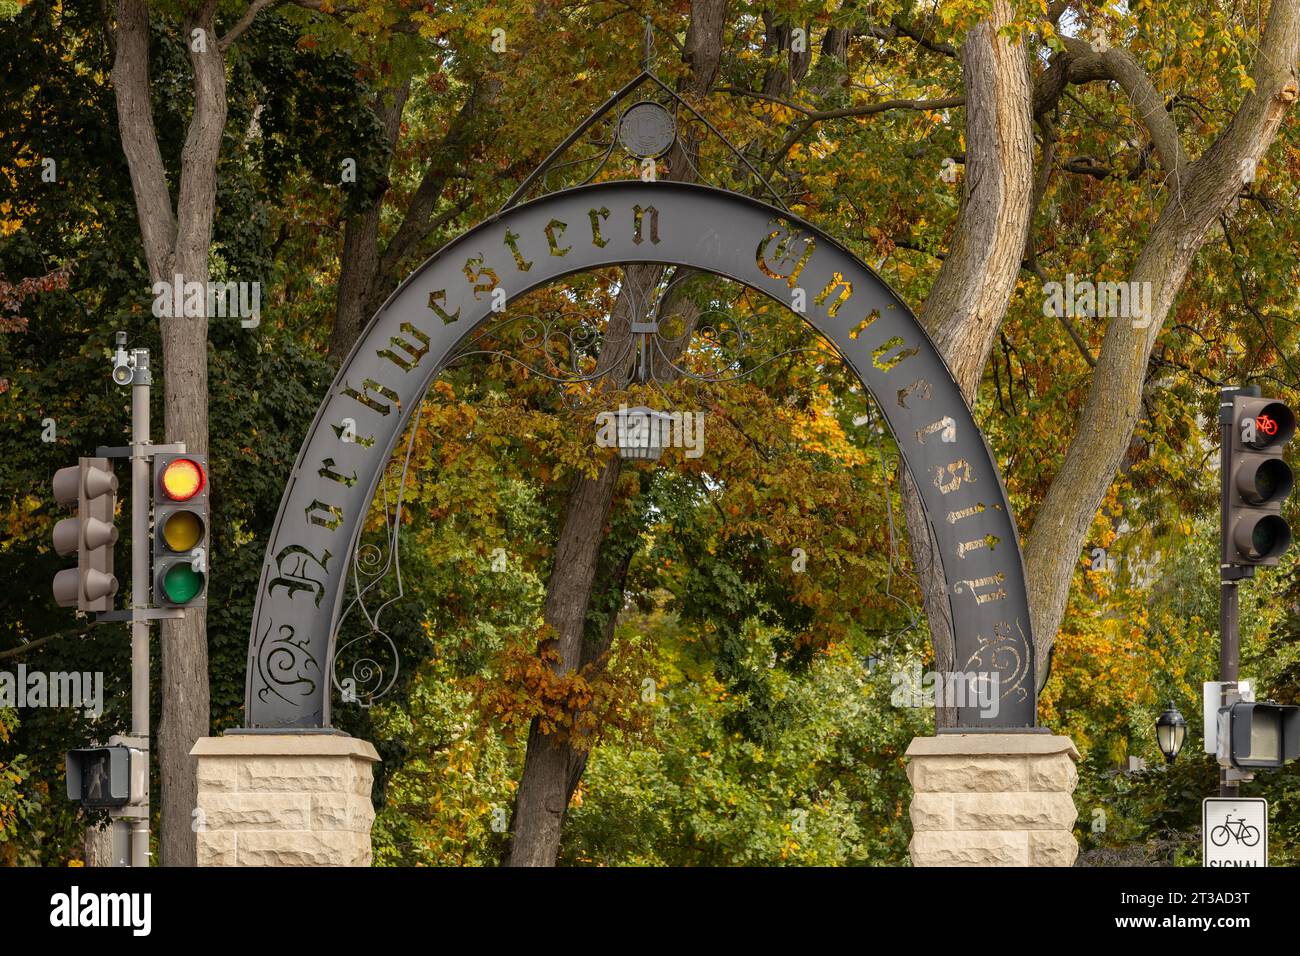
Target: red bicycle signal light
point(1274, 424)
point(182, 479)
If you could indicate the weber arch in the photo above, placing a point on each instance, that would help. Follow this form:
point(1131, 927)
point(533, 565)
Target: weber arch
point(405, 345)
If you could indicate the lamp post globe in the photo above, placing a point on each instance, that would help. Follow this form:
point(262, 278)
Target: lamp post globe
point(1171, 731)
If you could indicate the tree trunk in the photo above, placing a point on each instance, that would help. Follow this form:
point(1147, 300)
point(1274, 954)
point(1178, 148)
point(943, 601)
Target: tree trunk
point(969, 297)
point(97, 846)
point(1205, 190)
point(359, 259)
point(176, 246)
point(545, 786)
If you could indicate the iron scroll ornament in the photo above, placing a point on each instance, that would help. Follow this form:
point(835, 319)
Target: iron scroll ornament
point(404, 346)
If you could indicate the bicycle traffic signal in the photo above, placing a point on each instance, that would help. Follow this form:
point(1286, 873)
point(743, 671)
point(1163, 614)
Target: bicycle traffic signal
point(91, 487)
point(1257, 479)
point(180, 537)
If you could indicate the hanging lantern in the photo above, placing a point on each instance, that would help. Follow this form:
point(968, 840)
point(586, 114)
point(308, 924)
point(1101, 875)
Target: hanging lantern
point(641, 432)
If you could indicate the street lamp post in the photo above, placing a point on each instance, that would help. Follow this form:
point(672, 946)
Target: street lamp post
point(1171, 731)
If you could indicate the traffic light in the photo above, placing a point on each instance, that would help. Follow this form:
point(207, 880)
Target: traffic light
point(1257, 479)
point(91, 487)
point(180, 536)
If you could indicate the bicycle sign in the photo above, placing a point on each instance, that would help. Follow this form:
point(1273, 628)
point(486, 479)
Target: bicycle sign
point(1235, 831)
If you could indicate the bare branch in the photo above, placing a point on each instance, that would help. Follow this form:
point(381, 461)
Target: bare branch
point(243, 23)
point(867, 109)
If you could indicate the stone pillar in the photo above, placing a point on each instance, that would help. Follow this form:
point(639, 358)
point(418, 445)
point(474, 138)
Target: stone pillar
point(284, 800)
point(993, 800)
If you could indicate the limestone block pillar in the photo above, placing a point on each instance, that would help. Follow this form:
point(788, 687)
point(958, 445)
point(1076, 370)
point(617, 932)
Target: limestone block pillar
point(284, 800)
point(993, 799)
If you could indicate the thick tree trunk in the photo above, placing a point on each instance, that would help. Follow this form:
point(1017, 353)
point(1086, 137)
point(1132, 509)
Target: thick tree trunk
point(549, 766)
point(176, 246)
point(543, 789)
point(969, 297)
point(1201, 193)
point(367, 277)
point(97, 846)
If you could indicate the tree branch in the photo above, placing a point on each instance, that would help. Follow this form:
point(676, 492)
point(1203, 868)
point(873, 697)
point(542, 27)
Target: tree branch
point(243, 23)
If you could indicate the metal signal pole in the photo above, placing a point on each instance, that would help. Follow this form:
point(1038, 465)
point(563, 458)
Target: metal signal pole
point(1229, 624)
point(131, 819)
point(140, 554)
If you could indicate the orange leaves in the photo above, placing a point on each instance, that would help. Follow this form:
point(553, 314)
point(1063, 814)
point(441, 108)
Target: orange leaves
point(578, 707)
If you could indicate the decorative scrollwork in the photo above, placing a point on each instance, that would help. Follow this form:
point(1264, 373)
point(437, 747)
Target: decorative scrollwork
point(364, 683)
point(371, 564)
point(599, 132)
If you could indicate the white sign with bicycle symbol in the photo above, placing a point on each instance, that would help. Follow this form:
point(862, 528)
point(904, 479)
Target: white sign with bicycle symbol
point(1235, 831)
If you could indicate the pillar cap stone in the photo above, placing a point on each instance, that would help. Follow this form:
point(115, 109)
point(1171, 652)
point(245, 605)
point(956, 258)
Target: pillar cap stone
point(277, 745)
point(991, 744)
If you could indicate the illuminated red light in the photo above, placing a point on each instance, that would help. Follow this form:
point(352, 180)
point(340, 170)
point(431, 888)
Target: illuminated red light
point(182, 479)
point(1266, 425)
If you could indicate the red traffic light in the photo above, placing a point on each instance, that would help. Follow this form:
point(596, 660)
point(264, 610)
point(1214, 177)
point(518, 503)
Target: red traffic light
point(182, 479)
point(1274, 425)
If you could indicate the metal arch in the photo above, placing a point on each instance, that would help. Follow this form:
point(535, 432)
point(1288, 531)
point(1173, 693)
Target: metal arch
point(406, 344)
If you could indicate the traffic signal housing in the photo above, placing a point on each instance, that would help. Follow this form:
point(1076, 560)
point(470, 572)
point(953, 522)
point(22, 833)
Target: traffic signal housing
point(91, 487)
point(1256, 481)
point(1255, 736)
point(180, 535)
point(112, 776)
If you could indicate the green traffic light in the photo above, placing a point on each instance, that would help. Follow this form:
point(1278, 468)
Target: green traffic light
point(182, 584)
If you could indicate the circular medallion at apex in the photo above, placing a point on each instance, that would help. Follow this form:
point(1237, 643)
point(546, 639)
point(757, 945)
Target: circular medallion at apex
point(647, 130)
point(384, 378)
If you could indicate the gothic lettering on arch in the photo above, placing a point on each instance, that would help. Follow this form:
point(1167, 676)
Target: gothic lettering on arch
point(368, 400)
point(596, 215)
point(554, 231)
point(476, 270)
point(342, 432)
point(863, 326)
point(512, 241)
point(945, 426)
point(963, 513)
point(325, 515)
point(327, 471)
point(983, 589)
point(948, 478)
point(989, 541)
point(440, 295)
point(638, 217)
point(296, 577)
point(781, 254)
point(920, 388)
point(886, 362)
point(414, 352)
point(837, 282)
